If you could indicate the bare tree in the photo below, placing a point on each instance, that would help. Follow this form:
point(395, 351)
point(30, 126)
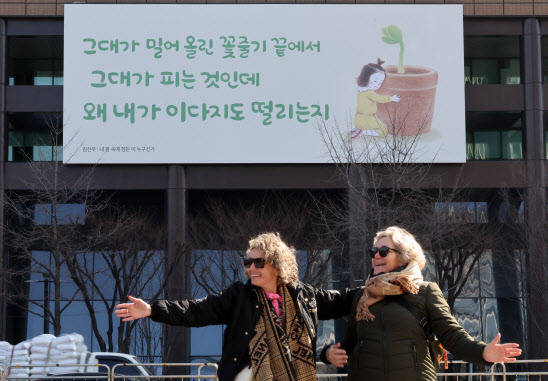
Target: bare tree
point(130, 262)
point(220, 231)
point(49, 215)
point(528, 267)
point(386, 186)
point(83, 245)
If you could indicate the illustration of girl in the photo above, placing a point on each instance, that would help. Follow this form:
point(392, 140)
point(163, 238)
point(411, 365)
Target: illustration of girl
point(366, 121)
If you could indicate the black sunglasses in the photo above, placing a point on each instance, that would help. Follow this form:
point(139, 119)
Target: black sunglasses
point(383, 251)
point(259, 262)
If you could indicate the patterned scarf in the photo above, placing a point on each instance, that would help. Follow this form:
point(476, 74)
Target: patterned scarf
point(276, 355)
point(393, 283)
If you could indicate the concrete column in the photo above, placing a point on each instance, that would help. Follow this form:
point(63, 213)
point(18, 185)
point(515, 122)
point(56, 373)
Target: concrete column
point(3, 157)
point(535, 202)
point(177, 343)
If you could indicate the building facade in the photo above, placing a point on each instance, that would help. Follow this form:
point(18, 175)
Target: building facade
point(506, 66)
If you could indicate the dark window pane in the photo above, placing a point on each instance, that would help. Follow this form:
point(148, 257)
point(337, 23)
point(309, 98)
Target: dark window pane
point(512, 144)
point(490, 120)
point(492, 60)
point(30, 137)
point(64, 214)
point(468, 314)
point(546, 144)
point(34, 60)
point(509, 70)
point(486, 145)
point(469, 146)
point(494, 135)
point(129, 370)
point(485, 71)
point(491, 47)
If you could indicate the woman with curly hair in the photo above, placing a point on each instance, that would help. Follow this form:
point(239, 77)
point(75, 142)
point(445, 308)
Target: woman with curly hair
point(271, 320)
point(395, 316)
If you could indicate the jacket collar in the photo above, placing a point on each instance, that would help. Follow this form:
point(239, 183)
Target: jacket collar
point(294, 289)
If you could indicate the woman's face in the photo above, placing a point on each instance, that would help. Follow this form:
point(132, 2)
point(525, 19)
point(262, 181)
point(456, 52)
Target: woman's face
point(265, 278)
point(388, 263)
point(376, 80)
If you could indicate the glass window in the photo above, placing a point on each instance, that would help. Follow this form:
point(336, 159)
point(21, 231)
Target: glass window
point(486, 145)
point(128, 370)
point(32, 136)
point(494, 135)
point(481, 308)
point(462, 212)
point(492, 60)
point(206, 341)
point(35, 60)
point(512, 147)
point(65, 214)
point(546, 143)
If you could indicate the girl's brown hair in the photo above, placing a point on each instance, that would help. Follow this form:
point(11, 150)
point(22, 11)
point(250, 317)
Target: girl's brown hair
point(368, 70)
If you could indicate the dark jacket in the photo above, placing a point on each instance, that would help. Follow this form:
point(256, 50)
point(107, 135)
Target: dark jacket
point(239, 308)
point(394, 347)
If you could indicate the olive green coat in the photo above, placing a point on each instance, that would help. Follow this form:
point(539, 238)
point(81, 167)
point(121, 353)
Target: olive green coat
point(393, 346)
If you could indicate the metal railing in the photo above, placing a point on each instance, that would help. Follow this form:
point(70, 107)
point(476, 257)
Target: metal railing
point(199, 376)
point(497, 372)
point(492, 374)
point(6, 373)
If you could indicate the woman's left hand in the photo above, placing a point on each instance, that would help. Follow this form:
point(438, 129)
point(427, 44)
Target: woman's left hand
point(495, 352)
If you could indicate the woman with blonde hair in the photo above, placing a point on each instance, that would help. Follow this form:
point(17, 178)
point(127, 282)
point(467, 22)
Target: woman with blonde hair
point(271, 320)
point(395, 316)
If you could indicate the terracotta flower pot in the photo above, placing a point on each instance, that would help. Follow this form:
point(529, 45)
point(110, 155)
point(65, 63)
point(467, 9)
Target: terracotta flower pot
point(417, 88)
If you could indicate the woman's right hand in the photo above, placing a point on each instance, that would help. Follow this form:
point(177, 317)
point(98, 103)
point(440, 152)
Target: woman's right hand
point(132, 311)
point(336, 356)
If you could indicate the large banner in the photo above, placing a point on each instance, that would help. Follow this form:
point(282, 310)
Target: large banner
point(262, 83)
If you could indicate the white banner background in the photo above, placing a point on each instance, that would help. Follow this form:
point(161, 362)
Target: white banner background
point(349, 35)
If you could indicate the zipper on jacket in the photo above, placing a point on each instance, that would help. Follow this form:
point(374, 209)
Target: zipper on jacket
point(384, 344)
point(414, 353)
point(360, 354)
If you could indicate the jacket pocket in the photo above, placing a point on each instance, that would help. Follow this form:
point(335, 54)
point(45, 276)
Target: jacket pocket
point(414, 351)
point(358, 352)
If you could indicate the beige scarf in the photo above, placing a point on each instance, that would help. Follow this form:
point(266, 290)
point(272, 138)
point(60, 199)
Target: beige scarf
point(393, 283)
point(282, 353)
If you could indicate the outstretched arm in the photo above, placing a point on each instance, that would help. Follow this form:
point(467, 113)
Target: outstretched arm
point(456, 340)
point(213, 309)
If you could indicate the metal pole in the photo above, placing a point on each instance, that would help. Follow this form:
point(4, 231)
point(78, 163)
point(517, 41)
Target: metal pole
point(46, 305)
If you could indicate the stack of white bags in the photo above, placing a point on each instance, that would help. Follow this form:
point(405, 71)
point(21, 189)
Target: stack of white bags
point(20, 355)
point(68, 350)
point(39, 354)
point(5, 354)
point(43, 353)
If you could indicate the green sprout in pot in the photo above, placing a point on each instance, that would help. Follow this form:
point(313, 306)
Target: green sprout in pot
point(392, 35)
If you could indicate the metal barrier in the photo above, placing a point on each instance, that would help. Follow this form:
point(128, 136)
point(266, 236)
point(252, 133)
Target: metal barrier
point(503, 374)
point(199, 376)
point(500, 371)
point(6, 372)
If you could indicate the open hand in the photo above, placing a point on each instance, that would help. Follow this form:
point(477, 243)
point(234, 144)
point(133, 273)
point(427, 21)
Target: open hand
point(132, 311)
point(495, 352)
point(336, 355)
